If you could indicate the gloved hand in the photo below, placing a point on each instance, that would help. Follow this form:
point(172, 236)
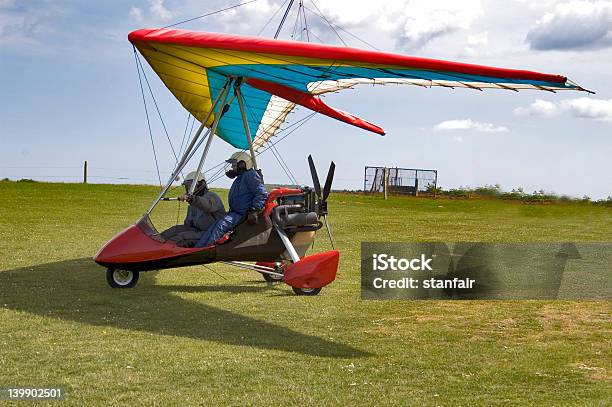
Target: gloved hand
point(186, 197)
point(253, 216)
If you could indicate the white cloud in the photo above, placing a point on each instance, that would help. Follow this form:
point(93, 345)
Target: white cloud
point(538, 108)
point(422, 21)
point(158, 10)
point(478, 39)
point(136, 13)
point(584, 107)
point(574, 25)
point(587, 108)
point(469, 124)
point(475, 44)
point(251, 17)
point(412, 23)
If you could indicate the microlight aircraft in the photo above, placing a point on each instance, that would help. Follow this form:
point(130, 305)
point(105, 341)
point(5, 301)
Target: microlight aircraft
point(241, 89)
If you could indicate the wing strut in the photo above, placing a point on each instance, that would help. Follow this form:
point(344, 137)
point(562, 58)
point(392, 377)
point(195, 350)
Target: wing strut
point(223, 108)
point(245, 122)
point(188, 151)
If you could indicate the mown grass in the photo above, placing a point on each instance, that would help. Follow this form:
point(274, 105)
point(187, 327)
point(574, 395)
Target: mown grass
point(216, 336)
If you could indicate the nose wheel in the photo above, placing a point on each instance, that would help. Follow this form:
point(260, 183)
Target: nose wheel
point(121, 278)
point(306, 291)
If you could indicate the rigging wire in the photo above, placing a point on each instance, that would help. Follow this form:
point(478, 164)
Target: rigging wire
point(178, 207)
point(178, 212)
point(157, 108)
point(297, 19)
point(304, 17)
point(144, 101)
point(283, 164)
point(185, 132)
point(302, 121)
point(316, 36)
point(272, 18)
point(277, 155)
point(190, 132)
point(322, 16)
point(299, 16)
point(280, 26)
point(328, 23)
point(209, 14)
point(297, 125)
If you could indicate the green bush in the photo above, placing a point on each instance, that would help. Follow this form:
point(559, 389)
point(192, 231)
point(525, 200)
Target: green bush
point(516, 194)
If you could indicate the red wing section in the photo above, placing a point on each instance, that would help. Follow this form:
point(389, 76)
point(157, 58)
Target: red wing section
point(313, 103)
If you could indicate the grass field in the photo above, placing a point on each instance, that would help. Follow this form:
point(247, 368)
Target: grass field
point(197, 336)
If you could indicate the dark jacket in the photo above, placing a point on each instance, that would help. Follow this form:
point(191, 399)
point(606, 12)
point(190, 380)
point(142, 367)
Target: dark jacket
point(205, 209)
point(247, 192)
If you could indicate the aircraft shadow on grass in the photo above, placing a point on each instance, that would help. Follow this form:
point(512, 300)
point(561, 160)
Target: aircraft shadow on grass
point(76, 290)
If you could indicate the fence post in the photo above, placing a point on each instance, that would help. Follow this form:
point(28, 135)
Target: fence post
point(416, 182)
point(385, 180)
point(365, 178)
point(436, 184)
point(85, 173)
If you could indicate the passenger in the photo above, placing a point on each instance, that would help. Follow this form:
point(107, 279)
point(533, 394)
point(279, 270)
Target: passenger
point(247, 197)
point(205, 208)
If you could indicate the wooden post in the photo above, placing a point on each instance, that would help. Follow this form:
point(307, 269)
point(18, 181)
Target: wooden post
point(435, 184)
point(85, 173)
point(385, 180)
point(365, 179)
point(416, 182)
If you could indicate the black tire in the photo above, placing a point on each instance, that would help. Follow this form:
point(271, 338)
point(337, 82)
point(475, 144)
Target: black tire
point(121, 278)
point(270, 278)
point(306, 291)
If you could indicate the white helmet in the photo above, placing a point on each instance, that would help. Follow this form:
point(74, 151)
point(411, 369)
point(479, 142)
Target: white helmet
point(191, 176)
point(241, 156)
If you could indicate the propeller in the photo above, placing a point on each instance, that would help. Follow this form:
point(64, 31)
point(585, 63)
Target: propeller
point(315, 177)
point(324, 194)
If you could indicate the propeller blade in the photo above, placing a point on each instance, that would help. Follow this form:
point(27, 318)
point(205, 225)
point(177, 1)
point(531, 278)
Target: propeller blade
point(328, 181)
point(315, 177)
point(331, 238)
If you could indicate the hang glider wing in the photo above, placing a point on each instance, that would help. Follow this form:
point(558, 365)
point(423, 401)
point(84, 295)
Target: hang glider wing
point(278, 75)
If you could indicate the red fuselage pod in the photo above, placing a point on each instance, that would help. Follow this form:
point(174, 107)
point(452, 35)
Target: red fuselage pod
point(313, 271)
point(139, 248)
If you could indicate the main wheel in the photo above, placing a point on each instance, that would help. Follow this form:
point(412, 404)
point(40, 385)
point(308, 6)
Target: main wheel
point(306, 291)
point(271, 278)
point(121, 278)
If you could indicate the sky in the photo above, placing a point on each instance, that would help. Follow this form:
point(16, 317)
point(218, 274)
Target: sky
point(69, 92)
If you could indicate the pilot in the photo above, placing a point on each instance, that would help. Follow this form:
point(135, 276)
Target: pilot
point(247, 197)
point(205, 208)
